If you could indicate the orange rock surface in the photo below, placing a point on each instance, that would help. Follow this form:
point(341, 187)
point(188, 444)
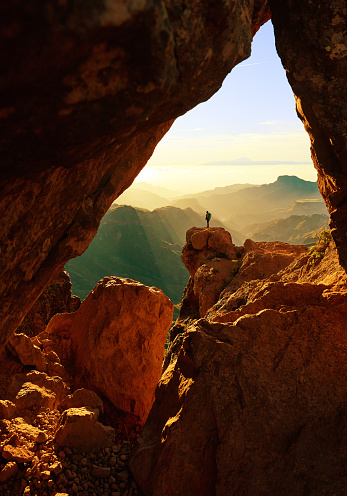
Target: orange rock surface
point(118, 337)
point(210, 279)
point(79, 428)
point(252, 398)
point(211, 258)
point(87, 93)
point(204, 243)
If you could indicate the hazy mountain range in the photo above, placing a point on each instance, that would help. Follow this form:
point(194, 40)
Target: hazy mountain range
point(296, 229)
point(146, 244)
point(239, 205)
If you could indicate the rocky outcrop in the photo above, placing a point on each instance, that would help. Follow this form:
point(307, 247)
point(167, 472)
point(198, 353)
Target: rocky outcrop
point(262, 260)
point(117, 337)
point(80, 398)
point(311, 40)
point(210, 279)
point(203, 244)
point(88, 90)
point(244, 405)
point(56, 298)
point(86, 102)
point(54, 439)
point(211, 259)
point(29, 354)
point(30, 464)
point(216, 266)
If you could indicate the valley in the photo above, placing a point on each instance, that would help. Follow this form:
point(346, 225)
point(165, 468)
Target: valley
point(145, 244)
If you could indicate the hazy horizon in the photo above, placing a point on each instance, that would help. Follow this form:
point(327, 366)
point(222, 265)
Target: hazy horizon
point(253, 115)
point(191, 179)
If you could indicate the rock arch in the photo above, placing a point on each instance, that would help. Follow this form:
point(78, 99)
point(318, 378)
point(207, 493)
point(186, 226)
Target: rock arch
point(88, 90)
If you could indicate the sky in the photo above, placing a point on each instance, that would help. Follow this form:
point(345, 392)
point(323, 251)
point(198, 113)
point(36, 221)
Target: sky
point(252, 116)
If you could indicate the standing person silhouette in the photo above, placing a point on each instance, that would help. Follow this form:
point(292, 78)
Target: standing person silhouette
point(207, 218)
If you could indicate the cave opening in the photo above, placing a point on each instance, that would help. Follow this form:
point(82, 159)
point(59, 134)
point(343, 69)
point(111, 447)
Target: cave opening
point(247, 135)
point(255, 382)
point(248, 131)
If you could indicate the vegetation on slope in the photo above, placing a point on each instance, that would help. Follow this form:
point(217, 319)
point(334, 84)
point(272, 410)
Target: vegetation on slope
point(139, 244)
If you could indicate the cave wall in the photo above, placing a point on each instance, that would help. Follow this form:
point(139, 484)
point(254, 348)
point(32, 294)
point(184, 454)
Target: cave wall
point(89, 88)
point(87, 91)
point(311, 40)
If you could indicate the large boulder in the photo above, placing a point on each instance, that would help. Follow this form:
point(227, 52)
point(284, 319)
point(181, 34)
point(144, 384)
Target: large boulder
point(211, 259)
point(203, 244)
point(80, 398)
point(210, 279)
point(34, 396)
point(79, 428)
point(217, 267)
point(118, 337)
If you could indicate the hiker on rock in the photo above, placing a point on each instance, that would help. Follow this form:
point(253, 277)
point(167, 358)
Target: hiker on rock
point(208, 217)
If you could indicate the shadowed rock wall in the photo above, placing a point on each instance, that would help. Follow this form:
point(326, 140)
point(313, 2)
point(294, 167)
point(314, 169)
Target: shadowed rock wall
point(87, 91)
point(311, 39)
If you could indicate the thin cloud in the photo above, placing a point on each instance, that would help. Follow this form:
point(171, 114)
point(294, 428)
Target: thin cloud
point(270, 123)
point(253, 63)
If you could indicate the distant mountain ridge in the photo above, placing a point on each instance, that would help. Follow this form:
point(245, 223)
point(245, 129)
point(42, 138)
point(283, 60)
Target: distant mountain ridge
point(145, 244)
point(140, 244)
point(296, 229)
point(249, 161)
point(239, 205)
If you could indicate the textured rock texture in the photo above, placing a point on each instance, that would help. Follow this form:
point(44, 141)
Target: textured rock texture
point(210, 279)
point(79, 428)
point(82, 397)
point(56, 298)
point(213, 262)
point(246, 406)
point(118, 337)
point(211, 259)
point(311, 39)
point(53, 440)
point(87, 91)
point(206, 243)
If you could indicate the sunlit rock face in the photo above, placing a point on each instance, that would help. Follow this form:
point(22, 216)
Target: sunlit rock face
point(118, 337)
point(311, 40)
point(252, 397)
point(87, 91)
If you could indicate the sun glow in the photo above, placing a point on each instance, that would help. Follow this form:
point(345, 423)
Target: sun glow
point(252, 115)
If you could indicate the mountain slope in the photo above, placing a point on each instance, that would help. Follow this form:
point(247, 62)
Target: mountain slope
point(267, 202)
point(296, 229)
point(139, 244)
point(140, 197)
point(280, 194)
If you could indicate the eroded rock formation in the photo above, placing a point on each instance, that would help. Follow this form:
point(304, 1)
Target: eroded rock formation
point(252, 398)
point(211, 259)
point(87, 91)
point(311, 40)
point(215, 267)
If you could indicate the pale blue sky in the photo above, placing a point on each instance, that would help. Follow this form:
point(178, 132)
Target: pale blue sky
point(252, 115)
